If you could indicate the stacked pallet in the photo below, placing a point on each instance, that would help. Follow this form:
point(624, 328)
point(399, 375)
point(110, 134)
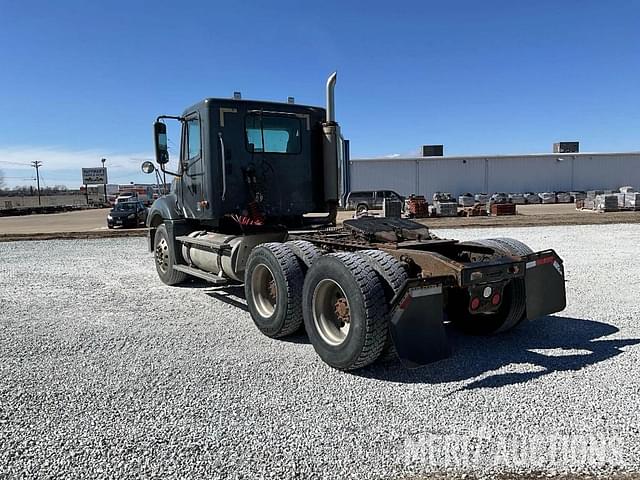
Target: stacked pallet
point(482, 198)
point(466, 200)
point(446, 209)
point(592, 194)
point(589, 203)
point(632, 200)
point(499, 209)
point(577, 196)
point(606, 203)
point(416, 206)
point(391, 208)
point(475, 211)
point(563, 197)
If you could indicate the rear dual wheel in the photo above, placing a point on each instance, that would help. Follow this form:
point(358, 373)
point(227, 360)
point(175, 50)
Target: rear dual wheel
point(345, 311)
point(394, 275)
point(341, 299)
point(273, 289)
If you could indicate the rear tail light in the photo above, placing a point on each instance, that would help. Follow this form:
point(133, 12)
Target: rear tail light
point(475, 303)
point(544, 260)
point(495, 300)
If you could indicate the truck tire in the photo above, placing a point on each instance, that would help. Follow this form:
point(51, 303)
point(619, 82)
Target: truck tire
point(165, 257)
point(509, 245)
point(511, 312)
point(394, 275)
point(273, 289)
point(362, 207)
point(307, 252)
point(513, 247)
point(392, 271)
point(345, 311)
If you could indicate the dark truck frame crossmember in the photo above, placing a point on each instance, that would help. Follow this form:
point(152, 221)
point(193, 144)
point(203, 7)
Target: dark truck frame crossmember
point(254, 202)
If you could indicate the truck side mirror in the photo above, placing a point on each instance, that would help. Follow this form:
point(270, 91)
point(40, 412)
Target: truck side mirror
point(160, 141)
point(148, 167)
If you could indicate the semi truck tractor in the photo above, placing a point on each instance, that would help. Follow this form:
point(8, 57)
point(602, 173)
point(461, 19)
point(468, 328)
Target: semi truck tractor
point(253, 202)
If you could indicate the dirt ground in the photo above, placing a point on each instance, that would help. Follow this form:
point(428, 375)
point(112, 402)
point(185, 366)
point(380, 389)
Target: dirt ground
point(529, 216)
point(93, 223)
point(79, 224)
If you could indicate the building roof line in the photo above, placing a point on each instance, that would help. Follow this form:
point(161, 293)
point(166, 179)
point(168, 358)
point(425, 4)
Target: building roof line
point(481, 157)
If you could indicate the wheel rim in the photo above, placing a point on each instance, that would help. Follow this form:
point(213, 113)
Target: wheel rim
point(264, 290)
point(331, 312)
point(162, 255)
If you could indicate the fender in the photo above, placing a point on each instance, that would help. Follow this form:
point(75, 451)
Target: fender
point(163, 209)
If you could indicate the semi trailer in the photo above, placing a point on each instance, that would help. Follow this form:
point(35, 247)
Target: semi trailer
point(253, 202)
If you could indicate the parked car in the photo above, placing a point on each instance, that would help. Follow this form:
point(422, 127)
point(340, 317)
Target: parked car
point(370, 199)
point(466, 200)
point(127, 214)
point(563, 197)
point(482, 198)
point(127, 197)
point(517, 198)
point(531, 197)
point(499, 198)
point(547, 197)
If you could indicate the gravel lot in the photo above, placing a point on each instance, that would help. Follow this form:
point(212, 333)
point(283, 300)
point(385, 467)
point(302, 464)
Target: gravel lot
point(105, 372)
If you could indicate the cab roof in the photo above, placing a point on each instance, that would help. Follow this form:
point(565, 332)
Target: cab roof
point(254, 104)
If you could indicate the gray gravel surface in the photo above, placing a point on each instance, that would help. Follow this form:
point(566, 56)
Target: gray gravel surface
point(106, 372)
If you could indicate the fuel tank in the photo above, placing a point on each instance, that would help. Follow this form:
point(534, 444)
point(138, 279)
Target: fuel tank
point(217, 252)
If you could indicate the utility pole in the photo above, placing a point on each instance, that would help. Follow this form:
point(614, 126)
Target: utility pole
point(37, 164)
point(105, 181)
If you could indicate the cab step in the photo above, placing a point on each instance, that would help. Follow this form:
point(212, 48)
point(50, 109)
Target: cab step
point(196, 272)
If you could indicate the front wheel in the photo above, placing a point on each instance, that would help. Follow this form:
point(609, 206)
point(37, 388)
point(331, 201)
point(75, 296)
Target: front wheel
point(165, 257)
point(345, 311)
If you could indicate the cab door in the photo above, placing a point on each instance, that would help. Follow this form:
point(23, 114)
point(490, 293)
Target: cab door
point(194, 194)
point(228, 145)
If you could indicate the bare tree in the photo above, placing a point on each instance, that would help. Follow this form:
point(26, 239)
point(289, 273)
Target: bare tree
point(1, 179)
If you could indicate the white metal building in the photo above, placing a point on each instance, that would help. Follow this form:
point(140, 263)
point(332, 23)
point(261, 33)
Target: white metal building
point(500, 173)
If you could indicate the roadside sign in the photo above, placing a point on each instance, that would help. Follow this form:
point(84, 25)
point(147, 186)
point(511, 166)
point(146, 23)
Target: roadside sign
point(94, 176)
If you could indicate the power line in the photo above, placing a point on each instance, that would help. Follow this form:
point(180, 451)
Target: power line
point(8, 162)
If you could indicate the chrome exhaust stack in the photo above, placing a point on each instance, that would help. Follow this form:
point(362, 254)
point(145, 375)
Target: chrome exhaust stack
point(331, 150)
point(331, 103)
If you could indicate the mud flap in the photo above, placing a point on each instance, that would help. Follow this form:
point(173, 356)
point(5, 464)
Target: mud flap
point(417, 327)
point(544, 284)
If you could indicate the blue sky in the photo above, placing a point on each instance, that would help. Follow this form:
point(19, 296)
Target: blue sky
point(81, 80)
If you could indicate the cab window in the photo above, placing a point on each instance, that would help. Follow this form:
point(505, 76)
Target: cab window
point(269, 133)
point(193, 136)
